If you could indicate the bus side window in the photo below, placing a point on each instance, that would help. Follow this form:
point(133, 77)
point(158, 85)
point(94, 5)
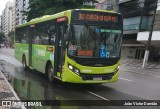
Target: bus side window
point(21, 35)
point(37, 40)
point(46, 32)
point(51, 32)
point(18, 34)
point(39, 35)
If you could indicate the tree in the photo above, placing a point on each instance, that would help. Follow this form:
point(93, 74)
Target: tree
point(38, 8)
point(11, 37)
point(2, 38)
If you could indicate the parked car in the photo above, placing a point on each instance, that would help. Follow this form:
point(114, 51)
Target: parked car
point(1, 45)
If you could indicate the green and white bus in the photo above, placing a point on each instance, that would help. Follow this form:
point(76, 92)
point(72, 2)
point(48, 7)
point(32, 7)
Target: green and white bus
point(77, 46)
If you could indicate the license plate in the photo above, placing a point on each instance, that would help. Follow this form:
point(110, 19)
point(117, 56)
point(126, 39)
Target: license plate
point(97, 78)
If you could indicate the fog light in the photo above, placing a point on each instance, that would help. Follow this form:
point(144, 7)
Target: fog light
point(76, 71)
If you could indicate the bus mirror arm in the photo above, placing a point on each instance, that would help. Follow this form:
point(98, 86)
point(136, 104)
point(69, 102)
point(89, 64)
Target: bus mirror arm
point(68, 35)
point(65, 37)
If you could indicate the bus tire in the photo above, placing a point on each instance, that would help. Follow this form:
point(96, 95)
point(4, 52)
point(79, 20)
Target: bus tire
point(24, 63)
point(49, 73)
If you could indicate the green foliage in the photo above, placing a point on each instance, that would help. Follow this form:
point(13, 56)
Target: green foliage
point(2, 37)
point(11, 37)
point(38, 8)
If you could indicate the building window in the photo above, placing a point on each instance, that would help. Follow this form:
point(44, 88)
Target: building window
point(107, 5)
point(131, 23)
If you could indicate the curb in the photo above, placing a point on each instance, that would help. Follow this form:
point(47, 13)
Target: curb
point(12, 90)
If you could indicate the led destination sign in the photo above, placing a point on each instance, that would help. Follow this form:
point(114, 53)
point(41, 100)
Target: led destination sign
point(95, 16)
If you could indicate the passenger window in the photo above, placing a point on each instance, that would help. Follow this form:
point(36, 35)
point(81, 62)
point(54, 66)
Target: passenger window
point(45, 33)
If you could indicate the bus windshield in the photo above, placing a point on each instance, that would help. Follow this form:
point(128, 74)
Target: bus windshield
point(97, 41)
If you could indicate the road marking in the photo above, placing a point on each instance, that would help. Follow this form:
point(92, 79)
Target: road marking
point(148, 74)
point(98, 95)
point(125, 79)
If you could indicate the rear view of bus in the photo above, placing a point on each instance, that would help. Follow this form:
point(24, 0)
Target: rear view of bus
point(93, 47)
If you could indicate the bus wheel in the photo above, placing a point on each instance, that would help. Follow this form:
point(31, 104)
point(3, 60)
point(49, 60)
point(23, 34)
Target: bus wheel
point(50, 73)
point(24, 62)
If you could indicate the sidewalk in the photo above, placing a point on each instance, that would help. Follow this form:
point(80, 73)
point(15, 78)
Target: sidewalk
point(7, 92)
point(138, 64)
point(135, 66)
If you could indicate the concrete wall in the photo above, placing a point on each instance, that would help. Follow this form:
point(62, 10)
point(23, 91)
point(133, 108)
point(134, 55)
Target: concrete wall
point(143, 36)
point(128, 52)
point(157, 22)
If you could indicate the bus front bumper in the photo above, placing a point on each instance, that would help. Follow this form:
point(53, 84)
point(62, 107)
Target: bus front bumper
point(70, 76)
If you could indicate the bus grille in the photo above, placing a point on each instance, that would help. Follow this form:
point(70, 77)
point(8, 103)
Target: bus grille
point(97, 76)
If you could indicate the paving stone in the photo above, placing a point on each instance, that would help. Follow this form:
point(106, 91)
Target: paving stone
point(5, 95)
point(1, 79)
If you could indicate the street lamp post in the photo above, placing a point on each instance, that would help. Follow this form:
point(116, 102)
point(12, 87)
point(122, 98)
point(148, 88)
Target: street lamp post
point(145, 60)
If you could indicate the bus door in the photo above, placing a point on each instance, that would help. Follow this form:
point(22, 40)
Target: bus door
point(60, 49)
point(31, 33)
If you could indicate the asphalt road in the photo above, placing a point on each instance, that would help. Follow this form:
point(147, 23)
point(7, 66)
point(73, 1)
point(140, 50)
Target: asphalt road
point(133, 84)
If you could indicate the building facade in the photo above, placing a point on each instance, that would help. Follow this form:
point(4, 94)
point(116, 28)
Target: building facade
point(107, 5)
point(7, 18)
point(13, 12)
point(138, 17)
point(20, 7)
point(0, 23)
point(12, 15)
point(155, 39)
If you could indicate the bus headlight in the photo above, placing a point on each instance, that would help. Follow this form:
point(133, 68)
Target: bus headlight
point(116, 70)
point(70, 67)
point(75, 70)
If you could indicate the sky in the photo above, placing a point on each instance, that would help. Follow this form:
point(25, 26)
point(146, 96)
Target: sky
point(2, 5)
point(3, 2)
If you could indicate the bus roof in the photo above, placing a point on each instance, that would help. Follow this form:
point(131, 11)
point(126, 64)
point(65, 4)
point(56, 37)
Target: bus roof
point(49, 17)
